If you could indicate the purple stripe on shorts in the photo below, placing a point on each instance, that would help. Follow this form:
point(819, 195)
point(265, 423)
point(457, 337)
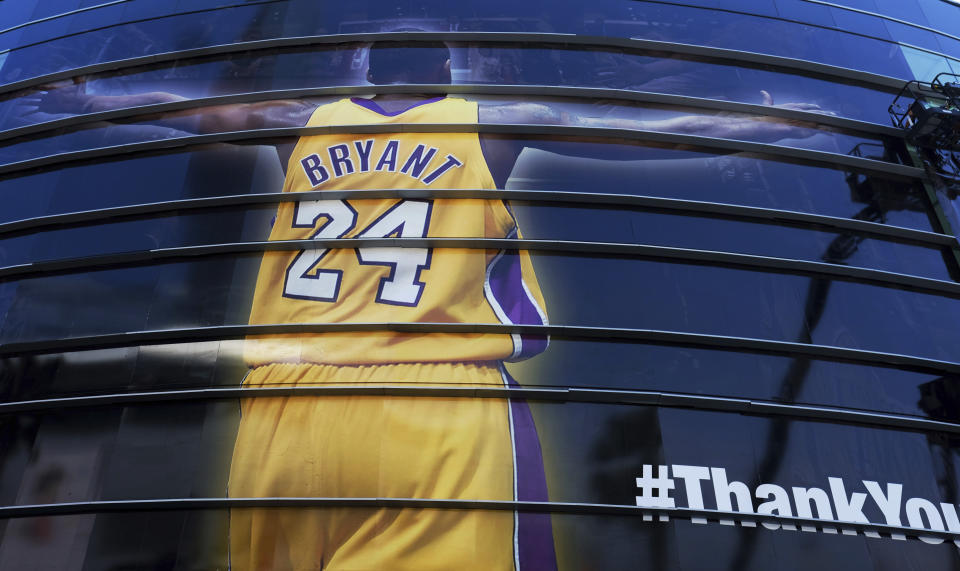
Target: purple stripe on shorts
point(506, 284)
point(534, 530)
point(375, 107)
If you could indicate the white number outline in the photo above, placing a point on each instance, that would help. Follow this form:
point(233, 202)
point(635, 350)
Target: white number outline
point(325, 251)
point(398, 231)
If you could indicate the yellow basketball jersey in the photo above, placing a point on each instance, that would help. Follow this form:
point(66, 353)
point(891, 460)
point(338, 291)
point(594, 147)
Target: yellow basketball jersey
point(393, 284)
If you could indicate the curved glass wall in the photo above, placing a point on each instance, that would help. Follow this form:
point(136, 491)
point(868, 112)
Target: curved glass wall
point(475, 285)
point(896, 41)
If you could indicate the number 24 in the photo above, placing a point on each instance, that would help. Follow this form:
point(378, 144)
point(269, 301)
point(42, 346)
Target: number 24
point(402, 286)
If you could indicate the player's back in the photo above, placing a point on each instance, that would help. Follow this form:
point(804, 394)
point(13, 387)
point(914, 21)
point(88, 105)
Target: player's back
point(391, 284)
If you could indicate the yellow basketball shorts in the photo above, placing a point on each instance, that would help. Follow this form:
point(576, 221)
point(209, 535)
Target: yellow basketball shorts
point(390, 447)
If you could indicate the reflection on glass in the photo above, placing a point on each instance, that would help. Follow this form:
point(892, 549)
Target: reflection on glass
point(153, 539)
point(622, 291)
point(450, 448)
point(345, 65)
point(117, 33)
point(619, 114)
point(593, 454)
point(616, 223)
point(598, 364)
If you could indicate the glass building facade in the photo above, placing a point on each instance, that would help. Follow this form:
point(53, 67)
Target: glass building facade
point(636, 284)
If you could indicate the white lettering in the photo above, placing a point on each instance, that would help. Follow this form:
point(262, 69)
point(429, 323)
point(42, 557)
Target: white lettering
point(888, 503)
point(950, 517)
point(848, 509)
point(724, 491)
point(811, 509)
point(691, 476)
point(803, 498)
point(914, 508)
point(778, 505)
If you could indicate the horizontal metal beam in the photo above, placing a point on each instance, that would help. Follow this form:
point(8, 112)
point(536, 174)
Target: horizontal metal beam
point(524, 39)
point(56, 127)
point(529, 393)
point(570, 508)
point(638, 251)
point(641, 336)
point(776, 152)
point(62, 15)
point(584, 199)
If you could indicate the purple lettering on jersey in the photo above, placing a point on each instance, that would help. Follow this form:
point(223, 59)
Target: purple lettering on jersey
point(452, 161)
point(417, 161)
point(313, 167)
point(364, 148)
point(389, 156)
point(339, 158)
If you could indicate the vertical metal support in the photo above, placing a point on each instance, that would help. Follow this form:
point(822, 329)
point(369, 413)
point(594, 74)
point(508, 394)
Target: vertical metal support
point(941, 221)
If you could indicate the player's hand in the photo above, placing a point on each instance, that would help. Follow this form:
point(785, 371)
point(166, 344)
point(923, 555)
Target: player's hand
point(57, 99)
point(810, 107)
point(774, 129)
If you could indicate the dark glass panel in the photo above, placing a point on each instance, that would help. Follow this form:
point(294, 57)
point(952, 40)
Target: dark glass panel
point(949, 45)
point(346, 65)
point(733, 179)
point(153, 540)
point(15, 13)
point(620, 114)
point(592, 453)
point(133, 369)
point(576, 166)
point(908, 10)
point(109, 39)
point(43, 30)
point(568, 362)
point(639, 366)
point(806, 12)
point(581, 222)
point(92, 20)
point(861, 23)
point(156, 179)
point(615, 18)
point(581, 290)
point(49, 8)
point(942, 15)
point(914, 36)
point(613, 442)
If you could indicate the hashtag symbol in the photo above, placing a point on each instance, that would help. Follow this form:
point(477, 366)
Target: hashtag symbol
point(655, 492)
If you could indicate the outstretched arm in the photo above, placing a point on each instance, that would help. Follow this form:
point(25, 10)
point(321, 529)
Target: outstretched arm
point(502, 152)
point(760, 129)
point(213, 119)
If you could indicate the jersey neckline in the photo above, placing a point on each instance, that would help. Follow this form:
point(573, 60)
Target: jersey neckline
point(372, 105)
